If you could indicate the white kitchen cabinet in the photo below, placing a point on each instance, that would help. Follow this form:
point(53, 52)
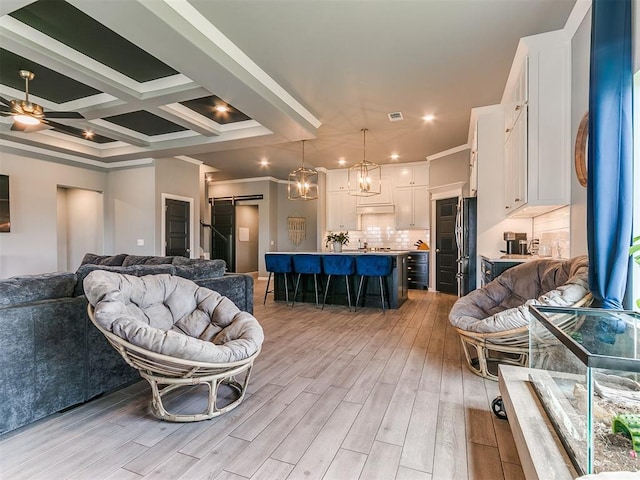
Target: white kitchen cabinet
point(341, 211)
point(515, 158)
point(338, 180)
point(412, 208)
point(384, 198)
point(410, 174)
point(537, 148)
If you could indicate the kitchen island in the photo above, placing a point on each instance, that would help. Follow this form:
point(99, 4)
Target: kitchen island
point(396, 283)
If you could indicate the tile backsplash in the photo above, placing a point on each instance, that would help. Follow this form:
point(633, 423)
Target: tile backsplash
point(553, 230)
point(378, 230)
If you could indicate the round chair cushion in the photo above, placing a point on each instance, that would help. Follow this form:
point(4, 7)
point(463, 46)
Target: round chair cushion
point(173, 316)
point(503, 304)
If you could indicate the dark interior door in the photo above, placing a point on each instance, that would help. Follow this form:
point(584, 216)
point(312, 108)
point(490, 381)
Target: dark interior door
point(177, 234)
point(223, 222)
point(446, 248)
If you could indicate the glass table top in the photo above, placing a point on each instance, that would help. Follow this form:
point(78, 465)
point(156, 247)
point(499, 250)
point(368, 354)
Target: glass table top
point(603, 338)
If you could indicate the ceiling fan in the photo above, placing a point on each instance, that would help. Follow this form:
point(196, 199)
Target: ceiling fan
point(30, 116)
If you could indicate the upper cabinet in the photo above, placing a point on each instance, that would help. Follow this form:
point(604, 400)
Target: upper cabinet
point(338, 180)
point(410, 175)
point(537, 133)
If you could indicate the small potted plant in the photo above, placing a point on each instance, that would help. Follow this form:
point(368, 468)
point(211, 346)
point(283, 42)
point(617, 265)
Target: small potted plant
point(337, 240)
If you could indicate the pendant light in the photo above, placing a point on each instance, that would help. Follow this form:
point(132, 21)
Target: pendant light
point(364, 177)
point(303, 182)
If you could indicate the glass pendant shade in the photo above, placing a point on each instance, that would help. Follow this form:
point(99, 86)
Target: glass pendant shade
point(303, 182)
point(364, 177)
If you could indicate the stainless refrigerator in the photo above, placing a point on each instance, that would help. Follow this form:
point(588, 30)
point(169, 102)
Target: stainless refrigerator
point(466, 233)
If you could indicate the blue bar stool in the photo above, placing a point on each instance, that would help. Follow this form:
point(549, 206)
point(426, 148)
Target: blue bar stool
point(374, 266)
point(306, 264)
point(277, 263)
point(338, 265)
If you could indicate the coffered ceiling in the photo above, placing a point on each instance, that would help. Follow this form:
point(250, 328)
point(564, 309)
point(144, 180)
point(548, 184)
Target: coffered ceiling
point(146, 76)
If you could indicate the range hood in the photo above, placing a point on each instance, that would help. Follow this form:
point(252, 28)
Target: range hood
point(382, 203)
point(381, 208)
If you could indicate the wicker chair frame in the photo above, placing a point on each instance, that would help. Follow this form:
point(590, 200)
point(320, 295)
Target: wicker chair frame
point(165, 374)
point(509, 347)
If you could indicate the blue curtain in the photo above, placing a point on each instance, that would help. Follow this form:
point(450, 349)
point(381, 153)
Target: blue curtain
point(610, 186)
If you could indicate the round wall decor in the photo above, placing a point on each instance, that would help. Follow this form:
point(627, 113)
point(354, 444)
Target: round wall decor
point(581, 151)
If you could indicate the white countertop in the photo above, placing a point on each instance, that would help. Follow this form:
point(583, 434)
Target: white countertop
point(513, 258)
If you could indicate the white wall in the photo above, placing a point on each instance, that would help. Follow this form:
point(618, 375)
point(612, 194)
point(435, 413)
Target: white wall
point(449, 169)
point(32, 245)
point(580, 52)
point(129, 211)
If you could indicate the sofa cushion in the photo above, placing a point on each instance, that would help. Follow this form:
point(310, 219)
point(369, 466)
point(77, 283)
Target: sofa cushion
point(92, 258)
point(30, 288)
point(146, 260)
point(200, 269)
point(137, 270)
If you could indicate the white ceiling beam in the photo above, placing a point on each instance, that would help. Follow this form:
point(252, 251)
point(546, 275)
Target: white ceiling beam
point(167, 30)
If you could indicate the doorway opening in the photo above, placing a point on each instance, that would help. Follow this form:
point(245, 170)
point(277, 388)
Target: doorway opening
point(234, 232)
point(247, 238)
point(80, 225)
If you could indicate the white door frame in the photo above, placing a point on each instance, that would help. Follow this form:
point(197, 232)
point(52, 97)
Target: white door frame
point(163, 222)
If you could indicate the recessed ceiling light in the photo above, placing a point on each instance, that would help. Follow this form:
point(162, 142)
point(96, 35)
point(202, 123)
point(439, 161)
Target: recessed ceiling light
point(221, 108)
point(264, 162)
point(394, 156)
point(88, 134)
point(429, 117)
point(342, 161)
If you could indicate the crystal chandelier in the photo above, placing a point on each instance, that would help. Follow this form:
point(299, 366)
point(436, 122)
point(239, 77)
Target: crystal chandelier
point(303, 182)
point(364, 177)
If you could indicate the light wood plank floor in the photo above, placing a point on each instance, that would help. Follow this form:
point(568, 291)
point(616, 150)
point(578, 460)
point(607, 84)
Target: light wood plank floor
point(333, 395)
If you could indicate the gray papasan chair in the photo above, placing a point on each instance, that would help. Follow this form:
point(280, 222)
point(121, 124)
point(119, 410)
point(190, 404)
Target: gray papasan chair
point(493, 321)
point(176, 334)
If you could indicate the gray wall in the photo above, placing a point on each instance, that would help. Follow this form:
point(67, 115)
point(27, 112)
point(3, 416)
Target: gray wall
point(32, 245)
point(449, 169)
point(180, 178)
point(296, 208)
point(129, 211)
point(580, 46)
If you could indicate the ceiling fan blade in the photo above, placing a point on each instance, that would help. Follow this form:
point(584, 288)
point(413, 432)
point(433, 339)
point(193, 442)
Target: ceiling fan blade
point(5, 101)
point(5, 111)
point(63, 115)
point(62, 127)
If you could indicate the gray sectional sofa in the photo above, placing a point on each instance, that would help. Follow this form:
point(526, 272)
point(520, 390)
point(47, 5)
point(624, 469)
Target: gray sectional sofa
point(52, 357)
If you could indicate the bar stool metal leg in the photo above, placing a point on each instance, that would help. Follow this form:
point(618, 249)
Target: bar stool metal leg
point(326, 290)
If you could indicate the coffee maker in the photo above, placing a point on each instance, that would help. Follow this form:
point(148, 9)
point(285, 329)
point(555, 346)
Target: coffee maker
point(516, 243)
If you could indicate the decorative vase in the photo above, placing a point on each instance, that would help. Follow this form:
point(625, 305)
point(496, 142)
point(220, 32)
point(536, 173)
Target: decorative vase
point(337, 247)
